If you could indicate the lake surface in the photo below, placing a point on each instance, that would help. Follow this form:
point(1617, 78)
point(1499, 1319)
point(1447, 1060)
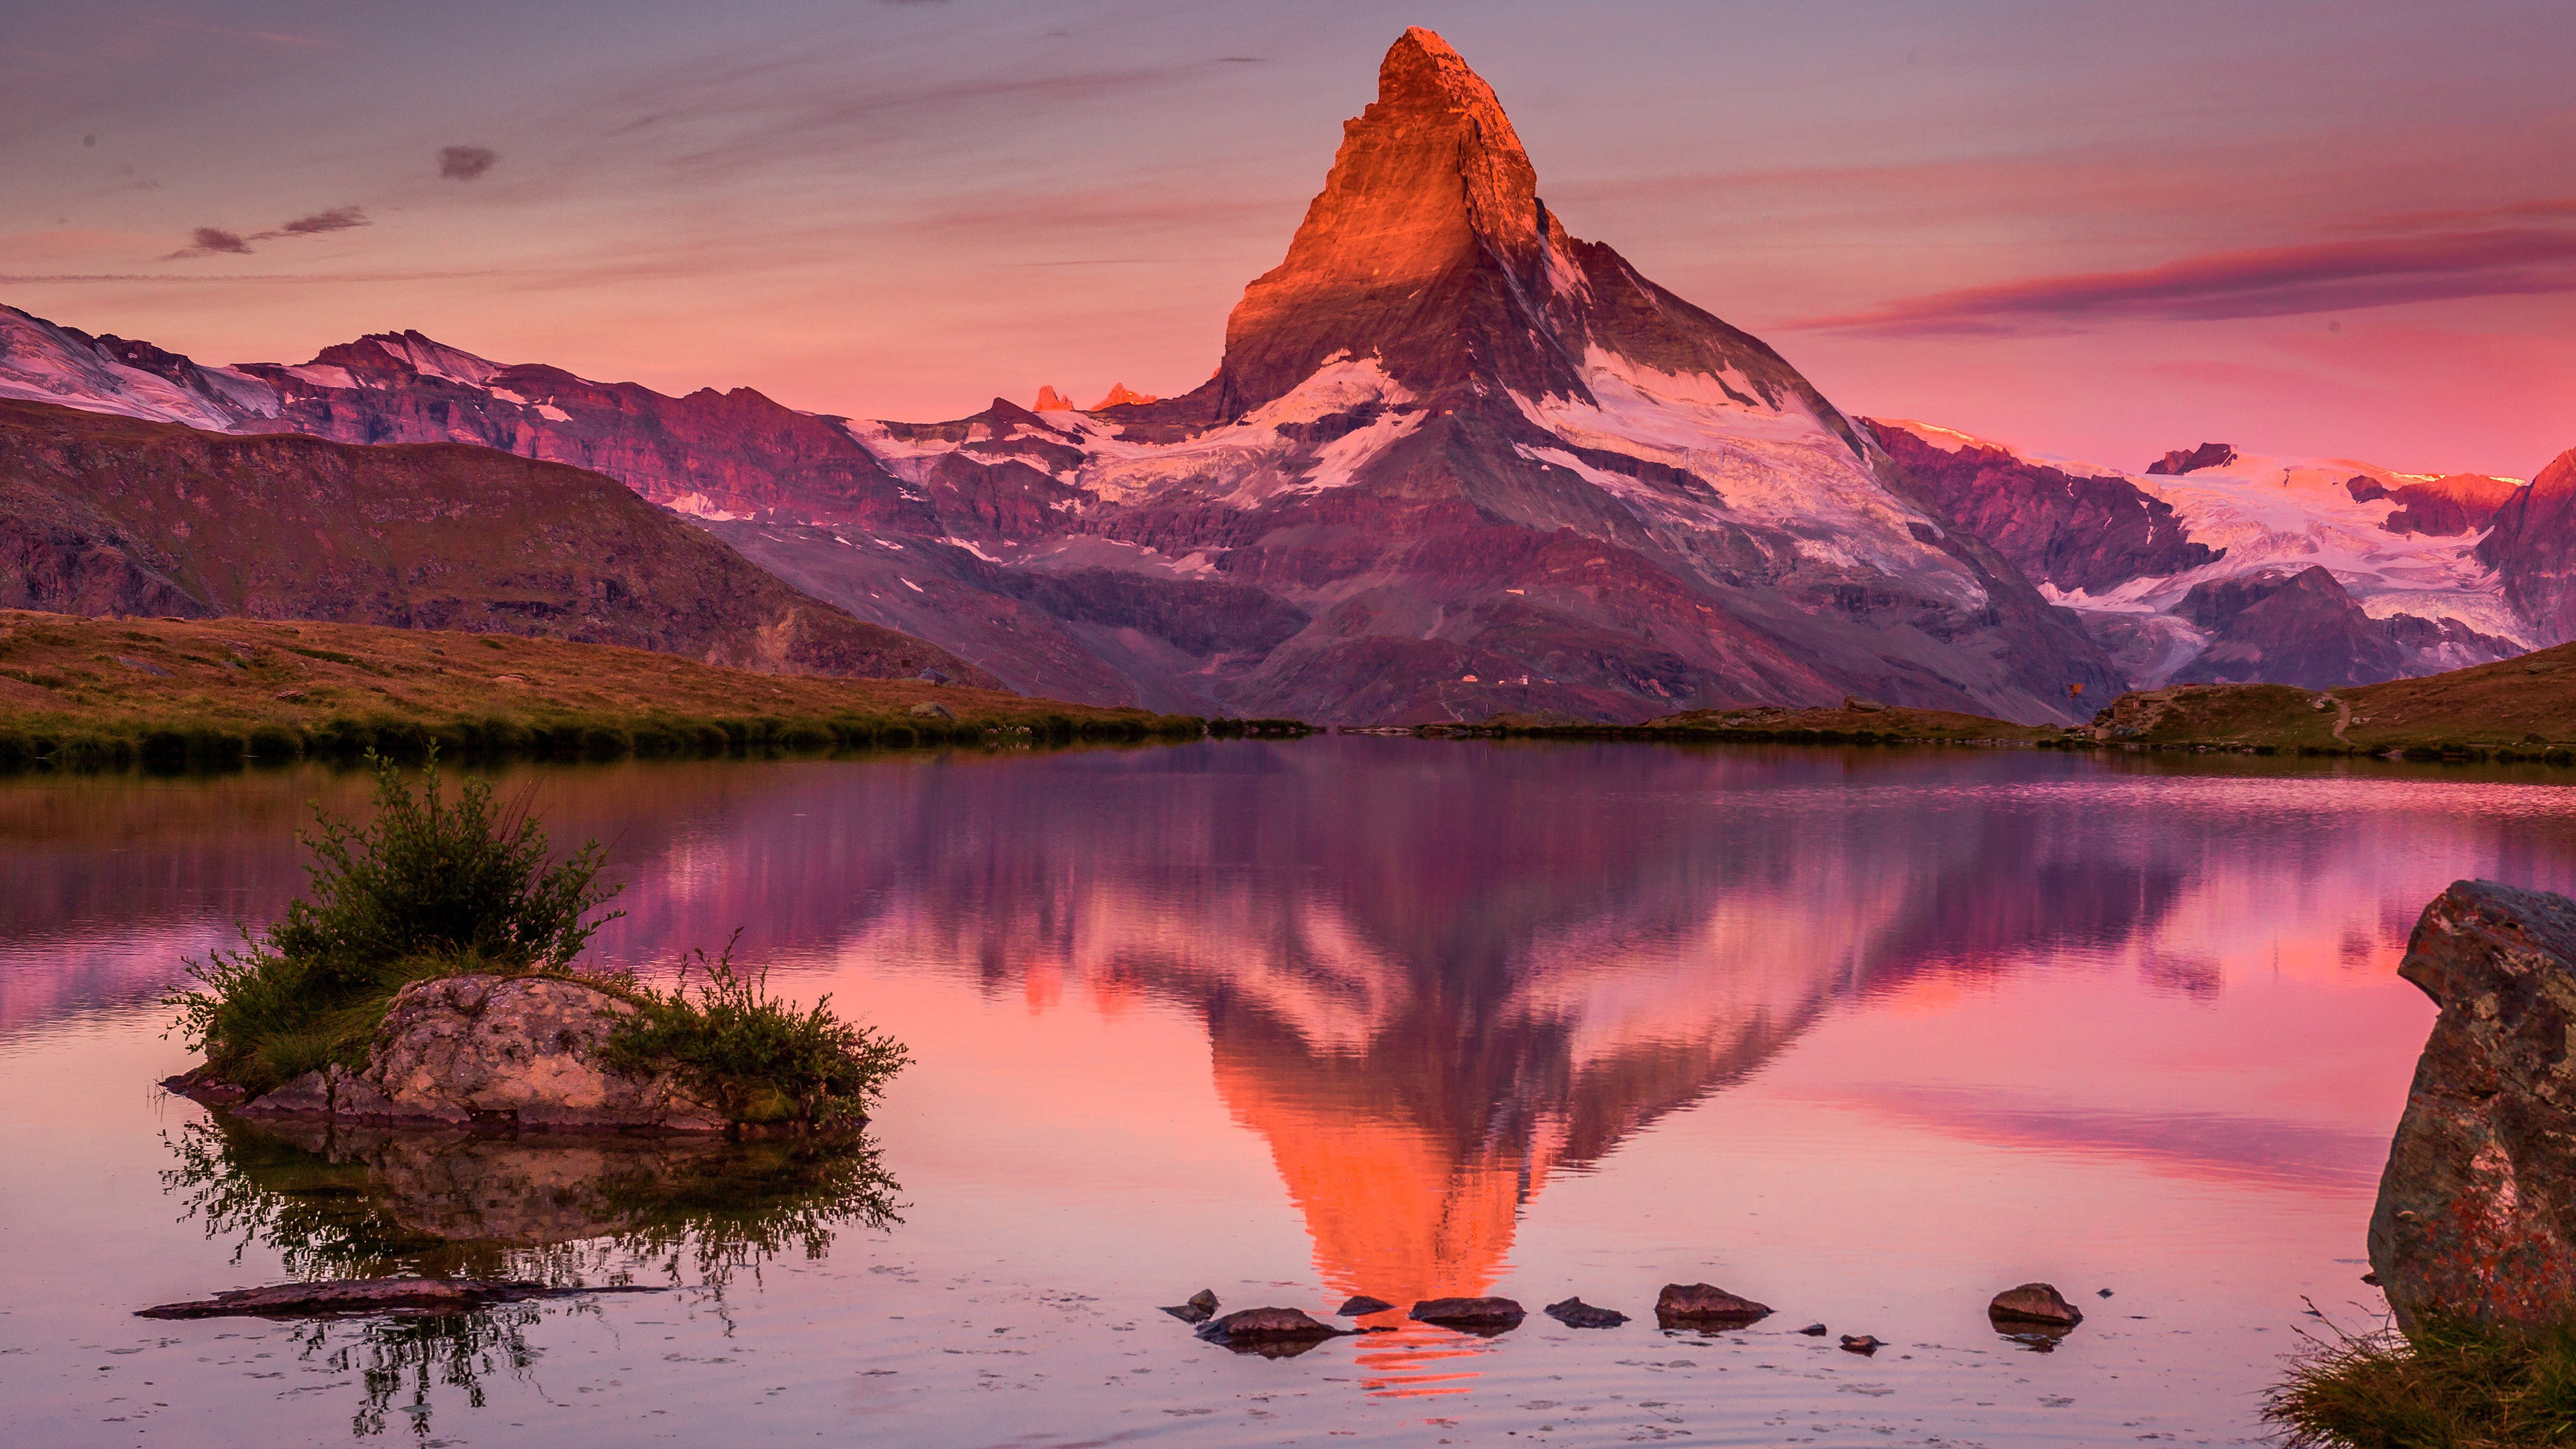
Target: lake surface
point(1865, 1035)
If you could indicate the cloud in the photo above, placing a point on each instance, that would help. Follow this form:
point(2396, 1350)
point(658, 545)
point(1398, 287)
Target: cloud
point(337, 218)
point(207, 240)
point(14, 279)
point(2385, 271)
point(464, 163)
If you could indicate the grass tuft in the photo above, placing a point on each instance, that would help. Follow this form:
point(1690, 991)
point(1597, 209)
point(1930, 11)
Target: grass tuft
point(2448, 1386)
point(761, 1059)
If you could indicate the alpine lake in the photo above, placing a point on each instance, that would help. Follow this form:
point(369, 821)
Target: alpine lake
point(1867, 1035)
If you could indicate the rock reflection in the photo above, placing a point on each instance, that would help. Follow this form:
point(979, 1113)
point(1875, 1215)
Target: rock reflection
point(568, 1210)
point(353, 1202)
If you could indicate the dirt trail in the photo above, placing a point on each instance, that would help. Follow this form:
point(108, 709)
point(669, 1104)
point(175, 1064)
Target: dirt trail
point(2343, 719)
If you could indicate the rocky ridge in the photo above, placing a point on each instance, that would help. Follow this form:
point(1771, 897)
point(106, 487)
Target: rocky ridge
point(110, 515)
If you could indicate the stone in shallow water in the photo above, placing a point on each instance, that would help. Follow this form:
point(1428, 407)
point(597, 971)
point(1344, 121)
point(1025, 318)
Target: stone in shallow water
point(2034, 1303)
point(2476, 1217)
point(1700, 1305)
point(1199, 1307)
point(368, 1295)
point(1271, 1332)
point(1861, 1343)
point(1575, 1313)
point(1359, 1304)
point(1475, 1315)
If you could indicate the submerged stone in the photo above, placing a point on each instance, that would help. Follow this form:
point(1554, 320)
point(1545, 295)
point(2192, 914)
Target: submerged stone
point(1697, 1305)
point(2476, 1218)
point(1199, 1307)
point(370, 1295)
point(2039, 1303)
point(1575, 1313)
point(1272, 1332)
point(1475, 1315)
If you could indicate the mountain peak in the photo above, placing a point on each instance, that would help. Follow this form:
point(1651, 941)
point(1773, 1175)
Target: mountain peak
point(1431, 211)
point(1121, 395)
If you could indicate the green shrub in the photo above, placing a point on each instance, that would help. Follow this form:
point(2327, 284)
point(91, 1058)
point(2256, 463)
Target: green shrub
point(275, 742)
point(429, 887)
point(2449, 1386)
point(760, 1059)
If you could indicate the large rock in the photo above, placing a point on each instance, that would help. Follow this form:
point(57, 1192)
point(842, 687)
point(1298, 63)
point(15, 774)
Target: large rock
point(2477, 1209)
point(1702, 1305)
point(489, 1051)
point(2038, 1303)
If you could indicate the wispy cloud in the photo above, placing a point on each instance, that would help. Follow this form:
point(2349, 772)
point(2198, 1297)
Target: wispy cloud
point(337, 218)
point(465, 163)
point(2416, 265)
point(13, 279)
point(208, 240)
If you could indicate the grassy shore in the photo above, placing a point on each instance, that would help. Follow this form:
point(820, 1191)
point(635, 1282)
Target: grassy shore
point(2516, 709)
point(2448, 1387)
point(80, 692)
point(1876, 724)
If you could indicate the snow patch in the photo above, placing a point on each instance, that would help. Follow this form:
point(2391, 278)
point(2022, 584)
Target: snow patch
point(437, 359)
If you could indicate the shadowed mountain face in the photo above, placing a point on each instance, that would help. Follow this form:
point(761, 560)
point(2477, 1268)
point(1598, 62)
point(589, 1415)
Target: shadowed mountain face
point(2300, 627)
point(2533, 549)
point(1455, 461)
point(109, 515)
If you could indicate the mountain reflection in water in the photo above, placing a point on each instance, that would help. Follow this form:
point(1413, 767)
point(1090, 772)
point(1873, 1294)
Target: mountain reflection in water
point(1432, 979)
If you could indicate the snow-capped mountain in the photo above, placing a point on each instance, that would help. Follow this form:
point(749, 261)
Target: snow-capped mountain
point(1455, 462)
point(2175, 568)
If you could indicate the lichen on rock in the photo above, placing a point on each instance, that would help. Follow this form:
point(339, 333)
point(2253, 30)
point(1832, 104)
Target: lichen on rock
point(2476, 1218)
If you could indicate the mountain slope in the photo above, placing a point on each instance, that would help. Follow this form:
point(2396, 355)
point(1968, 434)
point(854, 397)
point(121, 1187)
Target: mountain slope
point(102, 514)
point(2532, 548)
point(1455, 461)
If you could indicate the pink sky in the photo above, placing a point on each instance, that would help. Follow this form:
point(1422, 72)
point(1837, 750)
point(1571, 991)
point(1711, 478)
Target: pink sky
point(2098, 232)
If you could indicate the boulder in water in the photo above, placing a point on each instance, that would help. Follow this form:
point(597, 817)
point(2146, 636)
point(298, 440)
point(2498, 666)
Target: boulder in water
point(1575, 1313)
point(1701, 1305)
point(2034, 1303)
point(2476, 1218)
point(509, 1052)
point(1475, 1315)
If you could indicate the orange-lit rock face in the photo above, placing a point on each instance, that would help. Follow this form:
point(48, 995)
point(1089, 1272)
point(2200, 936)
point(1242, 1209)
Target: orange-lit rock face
point(1051, 401)
point(1121, 395)
point(1430, 194)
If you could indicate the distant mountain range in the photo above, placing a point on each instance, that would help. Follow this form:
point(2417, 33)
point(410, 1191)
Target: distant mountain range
point(1456, 462)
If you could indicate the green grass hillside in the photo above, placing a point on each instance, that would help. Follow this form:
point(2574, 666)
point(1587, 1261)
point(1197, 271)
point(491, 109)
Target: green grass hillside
point(77, 690)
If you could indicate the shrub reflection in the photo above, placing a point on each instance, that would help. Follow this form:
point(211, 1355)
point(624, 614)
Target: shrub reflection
point(566, 1211)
